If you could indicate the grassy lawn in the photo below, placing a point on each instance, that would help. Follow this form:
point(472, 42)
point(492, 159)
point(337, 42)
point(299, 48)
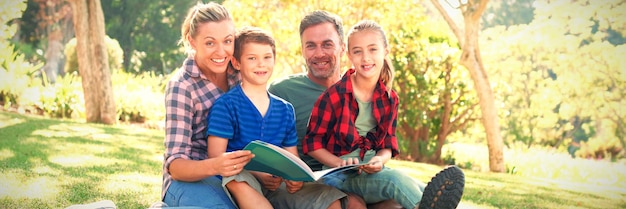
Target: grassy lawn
point(46, 163)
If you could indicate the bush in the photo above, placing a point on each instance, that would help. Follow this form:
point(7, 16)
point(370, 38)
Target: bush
point(115, 52)
point(605, 148)
point(16, 76)
point(63, 100)
point(139, 98)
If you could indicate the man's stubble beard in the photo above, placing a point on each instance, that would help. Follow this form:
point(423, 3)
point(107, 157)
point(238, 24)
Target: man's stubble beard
point(323, 74)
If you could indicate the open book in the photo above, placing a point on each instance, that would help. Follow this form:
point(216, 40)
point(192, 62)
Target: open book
point(275, 160)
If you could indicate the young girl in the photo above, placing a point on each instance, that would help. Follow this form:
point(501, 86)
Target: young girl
point(355, 120)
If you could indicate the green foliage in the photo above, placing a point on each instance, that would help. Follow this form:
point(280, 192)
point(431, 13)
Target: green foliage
point(511, 169)
point(37, 23)
point(608, 147)
point(64, 99)
point(16, 74)
point(559, 69)
point(137, 25)
point(284, 24)
point(10, 11)
point(16, 77)
point(114, 52)
point(448, 158)
point(139, 97)
point(149, 22)
point(508, 13)
point(428, 78)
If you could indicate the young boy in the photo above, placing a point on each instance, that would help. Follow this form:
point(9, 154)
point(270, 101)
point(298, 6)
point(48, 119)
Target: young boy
point(249, 112)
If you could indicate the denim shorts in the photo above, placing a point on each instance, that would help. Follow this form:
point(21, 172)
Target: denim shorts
point(206, 193)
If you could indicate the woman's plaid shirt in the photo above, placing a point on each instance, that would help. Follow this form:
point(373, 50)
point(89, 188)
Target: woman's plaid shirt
point(188, 97)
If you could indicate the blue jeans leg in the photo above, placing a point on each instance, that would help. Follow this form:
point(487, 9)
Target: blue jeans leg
point(207, 193)
point(384, 185)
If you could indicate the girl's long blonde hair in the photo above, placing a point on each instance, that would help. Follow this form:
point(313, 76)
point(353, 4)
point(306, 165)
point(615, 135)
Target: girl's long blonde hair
point(387, 73)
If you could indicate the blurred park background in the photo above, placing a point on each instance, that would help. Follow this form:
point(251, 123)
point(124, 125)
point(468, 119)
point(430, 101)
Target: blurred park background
point(554, 71)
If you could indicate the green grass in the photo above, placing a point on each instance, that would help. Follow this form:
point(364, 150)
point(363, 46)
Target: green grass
point(47, 163)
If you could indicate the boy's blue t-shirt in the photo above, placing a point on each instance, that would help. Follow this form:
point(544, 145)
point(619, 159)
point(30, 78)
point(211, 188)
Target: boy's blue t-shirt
point(234, 117)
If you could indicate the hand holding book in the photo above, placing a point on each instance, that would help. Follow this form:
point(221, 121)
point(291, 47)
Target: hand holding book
point(268, 181)
point(370, 167)
point(373, 166)
point(293, 186)
point(275, 160)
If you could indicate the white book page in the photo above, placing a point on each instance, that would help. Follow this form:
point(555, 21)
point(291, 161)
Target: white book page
point(323, 173)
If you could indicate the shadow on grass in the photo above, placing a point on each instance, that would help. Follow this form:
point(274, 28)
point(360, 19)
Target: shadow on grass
point(47, 163)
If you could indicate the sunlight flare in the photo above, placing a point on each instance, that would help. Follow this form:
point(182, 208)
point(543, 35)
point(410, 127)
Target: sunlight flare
point(6, 154)
point(132, 182)
point(85, 160)
point(6, 121)
point(40, 187)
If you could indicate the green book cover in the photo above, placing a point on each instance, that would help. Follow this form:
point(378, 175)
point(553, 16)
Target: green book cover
point(275, 160)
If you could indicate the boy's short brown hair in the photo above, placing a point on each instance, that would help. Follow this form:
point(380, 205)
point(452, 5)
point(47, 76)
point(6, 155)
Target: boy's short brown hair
point(250, 34)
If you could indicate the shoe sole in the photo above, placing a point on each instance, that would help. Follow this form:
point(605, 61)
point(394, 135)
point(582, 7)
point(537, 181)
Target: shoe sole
point(444, 191)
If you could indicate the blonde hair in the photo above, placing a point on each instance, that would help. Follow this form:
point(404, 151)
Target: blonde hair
point(387, 73)
point(201, 13)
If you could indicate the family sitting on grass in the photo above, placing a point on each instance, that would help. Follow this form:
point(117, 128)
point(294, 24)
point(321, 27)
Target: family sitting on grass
point(219, 101)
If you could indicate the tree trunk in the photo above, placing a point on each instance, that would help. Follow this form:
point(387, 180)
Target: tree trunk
point(53, 55)
point(93, 63)
point(470, 58)
point(444, 130)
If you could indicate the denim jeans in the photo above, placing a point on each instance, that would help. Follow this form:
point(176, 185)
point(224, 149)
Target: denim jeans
point(207, 193)
point(383, 185)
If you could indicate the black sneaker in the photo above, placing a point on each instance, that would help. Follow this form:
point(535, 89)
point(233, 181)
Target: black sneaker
point(444, 191)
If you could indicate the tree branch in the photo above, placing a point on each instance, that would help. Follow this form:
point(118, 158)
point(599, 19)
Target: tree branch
point(482, 5)
point(455, 29)
point(464, 117)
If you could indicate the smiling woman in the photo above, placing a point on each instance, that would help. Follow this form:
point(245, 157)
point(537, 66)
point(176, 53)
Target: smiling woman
point(190, 177)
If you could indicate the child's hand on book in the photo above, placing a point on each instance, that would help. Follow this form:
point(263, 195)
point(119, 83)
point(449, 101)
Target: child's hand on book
point(373, 166)
point(352, 161)
point(349, 161)
point(293, 186)
point(269, 181)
